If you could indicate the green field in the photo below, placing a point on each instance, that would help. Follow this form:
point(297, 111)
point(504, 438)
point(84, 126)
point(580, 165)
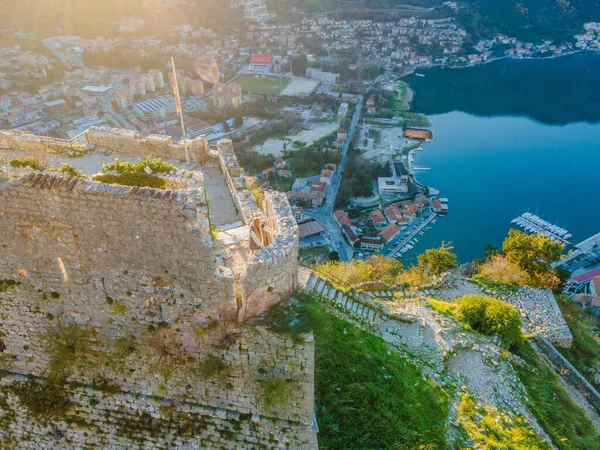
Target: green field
point(262, 85)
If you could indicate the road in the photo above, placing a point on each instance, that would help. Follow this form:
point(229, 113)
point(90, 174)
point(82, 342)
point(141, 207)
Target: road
point(324, 214)
point(108, 108)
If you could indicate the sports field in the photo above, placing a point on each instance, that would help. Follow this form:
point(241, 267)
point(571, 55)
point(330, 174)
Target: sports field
point(259, 85)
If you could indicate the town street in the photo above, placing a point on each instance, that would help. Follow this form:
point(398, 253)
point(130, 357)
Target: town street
point(324, 214)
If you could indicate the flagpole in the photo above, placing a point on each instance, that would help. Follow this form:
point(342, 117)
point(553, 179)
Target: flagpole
point(180, 111)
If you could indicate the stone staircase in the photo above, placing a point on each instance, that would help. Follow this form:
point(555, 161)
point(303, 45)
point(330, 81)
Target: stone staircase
point(359, 305)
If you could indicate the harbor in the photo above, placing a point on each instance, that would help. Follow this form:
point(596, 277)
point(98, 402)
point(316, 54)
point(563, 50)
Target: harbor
point(535, 224)
point(411, 240)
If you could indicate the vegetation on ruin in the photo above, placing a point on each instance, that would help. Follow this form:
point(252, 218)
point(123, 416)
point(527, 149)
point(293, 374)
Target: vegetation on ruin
point(274, 392)
point(584, 353)
point(492, 429)
point(156, 165)
point(45, 400)
point(118, 308)
point(68, 347)
point(69, 169)
point(376, 268)
point(213, 366)
point(134, 174)
point(526, 260)
point(132, 179)
point(6, 284)
point(259, 195)
point(367, 395)
point(565, 423)
point(485, 315)
point(491, 317)
point(24, 163)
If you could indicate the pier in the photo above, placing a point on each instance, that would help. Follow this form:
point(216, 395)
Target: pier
point(412, 235)
point(534, 224)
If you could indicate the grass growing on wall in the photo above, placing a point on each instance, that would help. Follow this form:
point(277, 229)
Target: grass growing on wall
point(368, 396)
point(133, 179)
point(561, 419)
point(584, 353)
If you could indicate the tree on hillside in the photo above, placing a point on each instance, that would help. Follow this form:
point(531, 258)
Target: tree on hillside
point(437, 261)
point(299, 65)
point(533, 253)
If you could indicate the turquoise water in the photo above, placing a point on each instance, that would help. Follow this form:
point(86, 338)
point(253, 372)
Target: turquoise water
point(494, 168)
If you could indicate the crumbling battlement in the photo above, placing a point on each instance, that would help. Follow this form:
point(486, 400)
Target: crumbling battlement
point(273, 271)
point(131, 142)
point(111, 139)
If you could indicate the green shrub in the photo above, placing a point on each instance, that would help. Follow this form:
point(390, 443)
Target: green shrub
point(492, 317)
point(132, 179)
point(67, 168)
point(22, 163)
point(156, 165)
point(118, 308)
point(436, 261)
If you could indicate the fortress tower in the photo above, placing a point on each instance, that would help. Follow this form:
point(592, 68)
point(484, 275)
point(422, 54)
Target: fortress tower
point(129, 305)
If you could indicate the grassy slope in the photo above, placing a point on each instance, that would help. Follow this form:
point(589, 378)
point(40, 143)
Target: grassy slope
point(585, 351)
point(562, 420)
point(368, 397)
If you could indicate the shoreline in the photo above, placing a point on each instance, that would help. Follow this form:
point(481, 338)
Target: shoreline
point(412, 70)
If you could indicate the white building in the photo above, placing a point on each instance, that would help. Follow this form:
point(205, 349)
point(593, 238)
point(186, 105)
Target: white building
point(398, 182)
point(327, 77)
point(155, 108)
point(343, 111)
point(255, 10)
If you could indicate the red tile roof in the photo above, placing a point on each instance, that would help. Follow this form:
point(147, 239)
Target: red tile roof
point(587, 276)
point(262, 59)
point(389, 232)
point(342, 218)
point(377, 217)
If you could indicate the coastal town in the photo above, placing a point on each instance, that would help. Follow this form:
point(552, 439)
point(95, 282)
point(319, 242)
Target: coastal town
point(315, 107)
point(273, 224)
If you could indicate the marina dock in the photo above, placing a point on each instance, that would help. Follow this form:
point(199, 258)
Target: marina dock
point(534, 224)
point(411, 236)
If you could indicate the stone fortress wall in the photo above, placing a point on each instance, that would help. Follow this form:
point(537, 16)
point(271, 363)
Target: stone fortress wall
point(113, 139)
point(140, 262)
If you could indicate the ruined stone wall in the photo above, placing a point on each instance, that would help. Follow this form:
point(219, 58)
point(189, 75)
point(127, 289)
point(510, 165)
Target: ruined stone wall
point(30, 144)
point(130, 422)
point(130, 402)
point(88, 242)
point(113, 139)
point(131, 142)
point(272, 272)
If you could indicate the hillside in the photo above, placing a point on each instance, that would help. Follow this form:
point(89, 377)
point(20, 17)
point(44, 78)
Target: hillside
point(530, 20)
